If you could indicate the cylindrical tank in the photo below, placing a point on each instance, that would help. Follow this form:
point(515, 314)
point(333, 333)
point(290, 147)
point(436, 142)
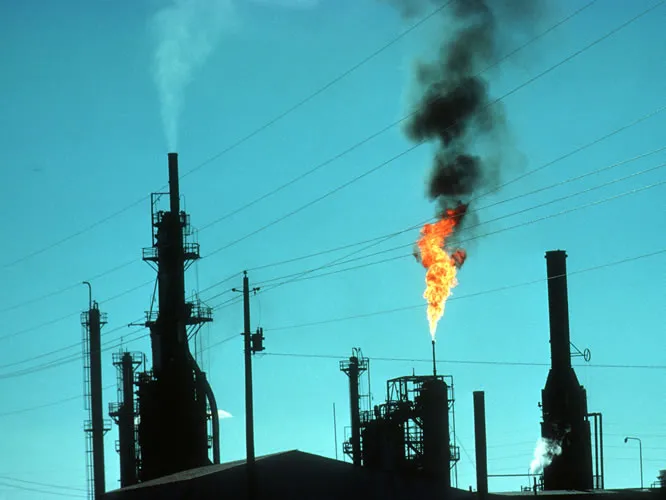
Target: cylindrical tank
point(432, 404)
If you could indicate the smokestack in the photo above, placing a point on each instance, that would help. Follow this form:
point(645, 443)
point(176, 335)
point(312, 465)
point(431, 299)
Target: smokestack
point(480, 444)
point(558, 309)
point(174, 189)
point(355, 410)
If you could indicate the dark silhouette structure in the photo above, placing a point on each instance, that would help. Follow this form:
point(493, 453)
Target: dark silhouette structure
point(480, 444)
point(354, 367)
point(175, 401)
point(564, 399)
point(124, 413)
point(411, 433)
point(252, 343)
point(95, 427)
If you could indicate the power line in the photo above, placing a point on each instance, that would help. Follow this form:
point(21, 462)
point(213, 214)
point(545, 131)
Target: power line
point(299, 276)
point(72, 314)
point(367, 139)
point(402, 231)
point(64, 348)
point(68, 288)
point(36, 490)
point(7, 478)
point(410, 149)
point(47, 405)
point(242, 140)
point(470, 295)
point(67, 359)
point(464, 362)
point(391, 125)
point(491, 103)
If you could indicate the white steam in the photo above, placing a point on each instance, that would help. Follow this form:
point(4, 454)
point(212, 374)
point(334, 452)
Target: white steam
point(544, 452)
point(185, 33)
point(223, 414)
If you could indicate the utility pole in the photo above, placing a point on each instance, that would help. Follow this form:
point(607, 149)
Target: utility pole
point(252, 343)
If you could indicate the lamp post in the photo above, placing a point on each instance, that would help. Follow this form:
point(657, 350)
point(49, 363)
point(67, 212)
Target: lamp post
point(640, 453)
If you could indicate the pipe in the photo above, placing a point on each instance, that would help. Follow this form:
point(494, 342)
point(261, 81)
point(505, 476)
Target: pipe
point(601, 447)
point(89, 294)
point(174, 188)
point(558, 309)
point(480, 444)
point(213, 408)
point(434, 363)
point(355, 411)
point(128, 470)
point(96, 401)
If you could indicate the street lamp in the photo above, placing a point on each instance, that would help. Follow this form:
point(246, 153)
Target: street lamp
point(640, 453)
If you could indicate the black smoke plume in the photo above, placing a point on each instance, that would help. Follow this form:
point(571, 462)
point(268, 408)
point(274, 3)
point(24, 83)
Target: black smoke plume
point(454, 109)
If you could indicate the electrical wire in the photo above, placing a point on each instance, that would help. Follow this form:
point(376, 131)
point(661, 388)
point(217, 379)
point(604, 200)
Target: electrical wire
point(64, 348)
point(381, 165)
point(367, 139)
point(474, 210)
point(36, 490)
point(47, 405)
point(243, 139)
point(56, 486)
point(299, 276)
point(458, 361)
point(72, 314)
point(68, 359)
point(470, 295)
point(395, 123)
point(415, 146)
point(66, 289)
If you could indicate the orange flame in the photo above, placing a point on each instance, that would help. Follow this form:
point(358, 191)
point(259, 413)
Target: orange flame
point(441, 265)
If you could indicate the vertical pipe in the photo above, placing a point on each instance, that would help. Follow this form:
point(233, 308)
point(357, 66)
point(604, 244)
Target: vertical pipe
point(596, 451)
point(640, 456)
point(335, 432)
point(558, 309)
point(128, 471)
point(434, 362)
point(601, 446)
point(355, 411)
point(96, 400)
point(480, 444)
point(249, 417)
point(174, 187)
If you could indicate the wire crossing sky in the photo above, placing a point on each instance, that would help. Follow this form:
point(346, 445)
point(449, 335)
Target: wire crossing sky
point(296, 167)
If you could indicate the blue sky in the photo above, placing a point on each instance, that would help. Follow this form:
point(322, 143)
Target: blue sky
point(82, 138)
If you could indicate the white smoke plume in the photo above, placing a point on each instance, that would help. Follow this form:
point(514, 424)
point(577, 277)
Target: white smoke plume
point(223, 414)
point(185, 33)
point(544, 452)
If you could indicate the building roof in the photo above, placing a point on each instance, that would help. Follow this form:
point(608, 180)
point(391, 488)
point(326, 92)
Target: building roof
point(291, 474)
point(298, 475)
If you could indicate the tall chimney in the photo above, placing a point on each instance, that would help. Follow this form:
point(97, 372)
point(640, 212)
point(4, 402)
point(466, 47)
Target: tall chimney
point(558, 309)
point(480, 444)
point(174, 189)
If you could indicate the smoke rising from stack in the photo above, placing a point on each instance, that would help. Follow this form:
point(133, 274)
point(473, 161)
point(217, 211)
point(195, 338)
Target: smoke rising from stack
point(185, 33)
point(454, 109)
point(544, 453)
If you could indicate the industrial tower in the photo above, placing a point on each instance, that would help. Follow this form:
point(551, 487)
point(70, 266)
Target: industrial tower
point(125, 412)
point(95, 426)
point(564, 399)
point(175, 400)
